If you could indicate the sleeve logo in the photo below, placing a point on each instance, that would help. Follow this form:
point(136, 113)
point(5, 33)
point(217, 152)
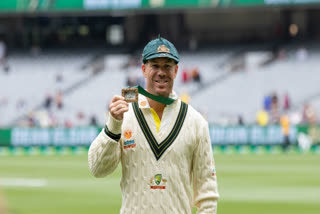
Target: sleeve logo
point(213, 169)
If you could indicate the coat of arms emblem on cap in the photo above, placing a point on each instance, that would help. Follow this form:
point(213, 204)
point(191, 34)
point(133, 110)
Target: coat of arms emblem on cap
point(163, 49)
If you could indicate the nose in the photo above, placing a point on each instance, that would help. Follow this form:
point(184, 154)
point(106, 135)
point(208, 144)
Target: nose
point(162, 72)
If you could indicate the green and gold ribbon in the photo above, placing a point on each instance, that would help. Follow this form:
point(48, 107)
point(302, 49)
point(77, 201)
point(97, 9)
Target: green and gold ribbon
point(160, 99)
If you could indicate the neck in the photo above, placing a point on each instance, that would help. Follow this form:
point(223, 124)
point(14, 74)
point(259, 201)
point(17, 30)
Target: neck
point(157, 107)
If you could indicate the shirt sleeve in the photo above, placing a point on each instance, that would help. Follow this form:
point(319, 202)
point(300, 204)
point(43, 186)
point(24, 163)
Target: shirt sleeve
point(204, 175)
point(105, 151)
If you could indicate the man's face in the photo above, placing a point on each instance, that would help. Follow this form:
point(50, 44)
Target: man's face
point(160, 74)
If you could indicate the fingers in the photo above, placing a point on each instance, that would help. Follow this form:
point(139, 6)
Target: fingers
point(118, 107)
point(116, 98)
point(119, 114)
point(117, 103)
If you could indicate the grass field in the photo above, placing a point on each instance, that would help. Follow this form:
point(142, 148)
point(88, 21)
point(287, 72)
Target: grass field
point(248, 184)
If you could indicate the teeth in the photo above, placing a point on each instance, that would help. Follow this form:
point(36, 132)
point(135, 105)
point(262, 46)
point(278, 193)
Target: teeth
point(161, 81)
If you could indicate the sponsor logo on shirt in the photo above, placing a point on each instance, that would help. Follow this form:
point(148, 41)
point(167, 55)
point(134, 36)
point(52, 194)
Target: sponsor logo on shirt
point(213, 169)
point(128, 134)
point(129, 143)
point(213, 172)
point(157, 182)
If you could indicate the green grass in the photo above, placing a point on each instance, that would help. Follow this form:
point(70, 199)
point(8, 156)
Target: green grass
point(248, 184)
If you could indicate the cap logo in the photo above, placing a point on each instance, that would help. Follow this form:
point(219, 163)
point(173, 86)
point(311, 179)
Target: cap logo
point(163, 49)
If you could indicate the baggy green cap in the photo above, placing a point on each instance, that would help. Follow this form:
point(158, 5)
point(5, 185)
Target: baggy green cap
point(160, 47)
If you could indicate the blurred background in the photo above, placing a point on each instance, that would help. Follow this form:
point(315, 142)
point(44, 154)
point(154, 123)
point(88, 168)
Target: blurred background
point(251, 67)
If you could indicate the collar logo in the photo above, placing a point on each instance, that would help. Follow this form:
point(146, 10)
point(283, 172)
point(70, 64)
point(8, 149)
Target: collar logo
point(158, 182)
point(163, 49)
point(143, 103)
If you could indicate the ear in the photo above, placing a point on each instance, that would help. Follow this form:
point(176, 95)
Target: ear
point(176, 71)
point(144, 72)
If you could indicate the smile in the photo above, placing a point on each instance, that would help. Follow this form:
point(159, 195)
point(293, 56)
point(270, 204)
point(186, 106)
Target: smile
point(161, 81)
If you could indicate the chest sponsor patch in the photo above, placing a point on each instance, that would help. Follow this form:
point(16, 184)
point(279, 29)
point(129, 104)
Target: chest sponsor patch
point(129, 144)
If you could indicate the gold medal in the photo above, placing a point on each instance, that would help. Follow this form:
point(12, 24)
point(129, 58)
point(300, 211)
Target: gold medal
point(130, 94)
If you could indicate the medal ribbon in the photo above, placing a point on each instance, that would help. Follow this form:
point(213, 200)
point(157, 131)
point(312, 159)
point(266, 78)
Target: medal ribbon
point(164, 100)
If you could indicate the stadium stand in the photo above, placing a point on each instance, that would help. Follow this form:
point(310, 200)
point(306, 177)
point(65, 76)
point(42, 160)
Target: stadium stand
point(222, 94)
point(32, 78)
point(242, 92)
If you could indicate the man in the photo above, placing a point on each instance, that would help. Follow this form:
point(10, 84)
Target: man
point(163, 144)
point(285, 126)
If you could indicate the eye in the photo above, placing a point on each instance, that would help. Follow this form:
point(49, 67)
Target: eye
point(155, 66)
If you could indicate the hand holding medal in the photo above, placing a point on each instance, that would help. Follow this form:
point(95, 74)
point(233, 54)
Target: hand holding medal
point(118, 106)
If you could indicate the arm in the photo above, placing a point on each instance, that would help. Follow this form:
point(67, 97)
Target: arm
point(105, 151)
point(204, 177)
